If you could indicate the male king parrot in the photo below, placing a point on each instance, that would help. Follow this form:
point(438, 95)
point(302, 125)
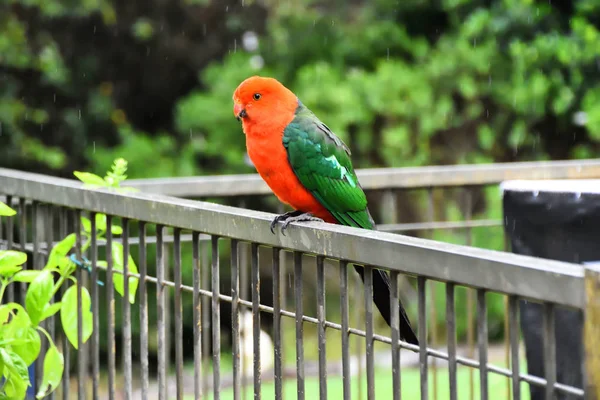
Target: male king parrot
point(307, 167)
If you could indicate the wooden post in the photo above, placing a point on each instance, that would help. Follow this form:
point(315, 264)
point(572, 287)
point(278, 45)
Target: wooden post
point(592, 331)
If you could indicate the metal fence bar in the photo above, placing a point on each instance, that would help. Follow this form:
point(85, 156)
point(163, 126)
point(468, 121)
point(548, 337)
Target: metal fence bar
point(422, 323)
point(513, 310)
point(256, 319)
point(299, 324)
point(81, 354)
point(278, 361)
point(63, 227)
point(110, 306)
point(216, 320)
point(95, 343)
point(50, 326)
point(126, 312)
point(205, 315)
point(482, 340)
point(346, 372)
point(543, 280)
point(197, 316)
point(321, 328)
point(235, 319)
point(549, 350)
point(178, 339)
point(368, 282)
point(380, 178)
point(22, 214)
point(10, 294)
point(451, 338)
point(395, 320)
point(143, 290)
point(160, 314)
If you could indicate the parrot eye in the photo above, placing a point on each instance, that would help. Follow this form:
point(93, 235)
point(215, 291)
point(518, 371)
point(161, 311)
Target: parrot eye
point(256, 96)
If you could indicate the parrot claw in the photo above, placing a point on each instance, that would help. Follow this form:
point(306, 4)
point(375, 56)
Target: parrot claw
point(283, 217)
point(302, 217)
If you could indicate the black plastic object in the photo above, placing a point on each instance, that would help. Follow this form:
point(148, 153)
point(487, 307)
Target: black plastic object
point(558, 220)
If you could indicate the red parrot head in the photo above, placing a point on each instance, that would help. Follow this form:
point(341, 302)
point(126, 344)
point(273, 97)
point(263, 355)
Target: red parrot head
point(260, 100)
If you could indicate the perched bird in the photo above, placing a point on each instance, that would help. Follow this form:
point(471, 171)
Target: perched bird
point(307, 167)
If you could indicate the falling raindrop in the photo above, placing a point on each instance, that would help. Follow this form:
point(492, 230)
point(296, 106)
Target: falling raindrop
point(80, 113)
point(94, 147)
point(250, 41)
point(536, 193)
point(54, 97)
point(94, 29)
point(257, 62)
point(235, 45)
point(226, 8)
point(388, 54)
point(474, 42)
point(489, 80)
point(190, 133)
point(487, 112)
point(41, 127)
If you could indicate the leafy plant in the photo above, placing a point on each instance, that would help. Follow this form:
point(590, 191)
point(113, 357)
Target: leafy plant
point(20, 327)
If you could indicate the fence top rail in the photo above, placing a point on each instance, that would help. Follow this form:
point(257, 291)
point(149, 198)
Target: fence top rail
point(534, 278)
point(381, 178)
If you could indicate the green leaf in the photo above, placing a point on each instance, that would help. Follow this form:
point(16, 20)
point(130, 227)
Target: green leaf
point(38, 295)
point(51, 310)
point(16, 384)
point(29, 349)
point(21, 315)
point(27, 275)
point(68, 314)
point(86, 224)
point(90, 179)
point(6, 211)
point(101, 222)
point(60, 251)
point(9, 270)
point(116, 230)
point(118, 281)
point(11, 257)
point(54, 365)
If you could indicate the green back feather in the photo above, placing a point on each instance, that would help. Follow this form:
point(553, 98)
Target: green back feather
point(321, 161)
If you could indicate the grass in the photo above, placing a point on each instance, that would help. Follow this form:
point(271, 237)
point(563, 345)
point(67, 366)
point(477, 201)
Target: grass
point(498, 388)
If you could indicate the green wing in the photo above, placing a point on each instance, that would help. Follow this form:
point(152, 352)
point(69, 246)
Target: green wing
point(321, 161)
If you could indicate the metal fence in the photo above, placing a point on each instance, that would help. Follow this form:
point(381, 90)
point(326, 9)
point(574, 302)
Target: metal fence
point(165, 227)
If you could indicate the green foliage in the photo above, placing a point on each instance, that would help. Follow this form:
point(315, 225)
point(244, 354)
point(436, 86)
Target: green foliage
point(20, 329)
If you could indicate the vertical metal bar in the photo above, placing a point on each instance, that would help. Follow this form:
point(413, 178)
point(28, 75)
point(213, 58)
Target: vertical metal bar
point(256, 319)
point(369, 332)
point(95, 344)
point(38, 219)
point(235, 319)
point(507, 350)
point(81, 355)
point(549, 350)
point(23, 238)
point(110, 300)
point(126, 312)
point(433, 311)
point(9, 245)
point(197, 317)
point(50, 326)
point(346, 372)
point(216, 319)
point(451, 338)
point(160, 313)
point(205, 327)
point(321, 328)
point(278, 370)
point(513, 310)
point(143, 290)
point(422, 322)
point(470, 297)
point(482, 341)
point(299, 324)
point(395, 320)
point(63, 228)
point(178, 315)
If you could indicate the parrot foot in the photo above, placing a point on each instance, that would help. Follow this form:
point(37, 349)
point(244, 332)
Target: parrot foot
point(283, 217)
point(297, 217)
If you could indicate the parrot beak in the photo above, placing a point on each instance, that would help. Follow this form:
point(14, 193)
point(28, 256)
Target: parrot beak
point(238, 111)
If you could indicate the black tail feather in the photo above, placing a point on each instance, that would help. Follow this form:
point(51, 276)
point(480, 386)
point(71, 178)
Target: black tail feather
point(381, 298)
